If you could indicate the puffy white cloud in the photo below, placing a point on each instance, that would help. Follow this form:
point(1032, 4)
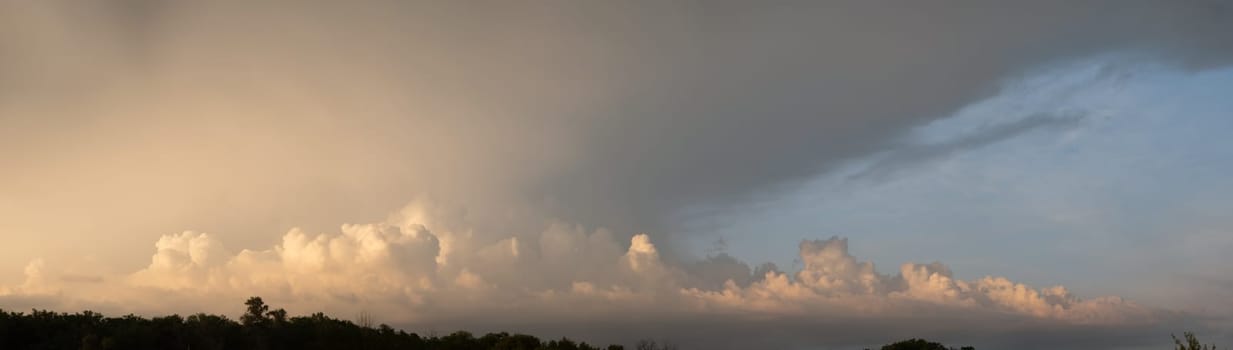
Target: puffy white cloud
point(182, 261)
point(830, 270)
point(404, 272)
point(832, 279)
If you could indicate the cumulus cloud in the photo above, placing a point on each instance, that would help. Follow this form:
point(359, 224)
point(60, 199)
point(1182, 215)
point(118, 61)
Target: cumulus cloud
point(401, 272)
point(832, 276)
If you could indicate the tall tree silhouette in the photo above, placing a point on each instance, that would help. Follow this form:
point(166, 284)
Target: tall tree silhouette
point(255, 315)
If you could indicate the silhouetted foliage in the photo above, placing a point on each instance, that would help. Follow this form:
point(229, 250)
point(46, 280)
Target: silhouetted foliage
point(256, 312)
point(920, 344)
point(647, 344)
point(1191, 343)
point(258, 328)
point(262, 328)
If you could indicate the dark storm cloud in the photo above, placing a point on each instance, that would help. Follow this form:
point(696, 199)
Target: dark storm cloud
point(608, 113)
point(741, 97)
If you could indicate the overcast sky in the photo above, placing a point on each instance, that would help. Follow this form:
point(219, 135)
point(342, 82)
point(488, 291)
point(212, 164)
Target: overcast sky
point(780, 175)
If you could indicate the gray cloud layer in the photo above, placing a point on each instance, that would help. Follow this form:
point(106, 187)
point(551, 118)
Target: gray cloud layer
point(607, 113)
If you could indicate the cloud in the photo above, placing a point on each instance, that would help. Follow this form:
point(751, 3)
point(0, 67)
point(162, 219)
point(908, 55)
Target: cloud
point(399, 271)
point(831, 275)
point(609, 115)
point(894, 161)
point(139, 118)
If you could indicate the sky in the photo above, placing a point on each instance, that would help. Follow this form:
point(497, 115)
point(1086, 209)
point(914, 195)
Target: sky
point(779, 175)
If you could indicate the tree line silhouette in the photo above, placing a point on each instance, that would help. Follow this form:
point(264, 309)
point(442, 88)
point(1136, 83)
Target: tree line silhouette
point(264, 329)
point(258, 328)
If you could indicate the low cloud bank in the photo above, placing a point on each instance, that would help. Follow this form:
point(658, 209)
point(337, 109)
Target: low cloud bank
point(425, 267)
